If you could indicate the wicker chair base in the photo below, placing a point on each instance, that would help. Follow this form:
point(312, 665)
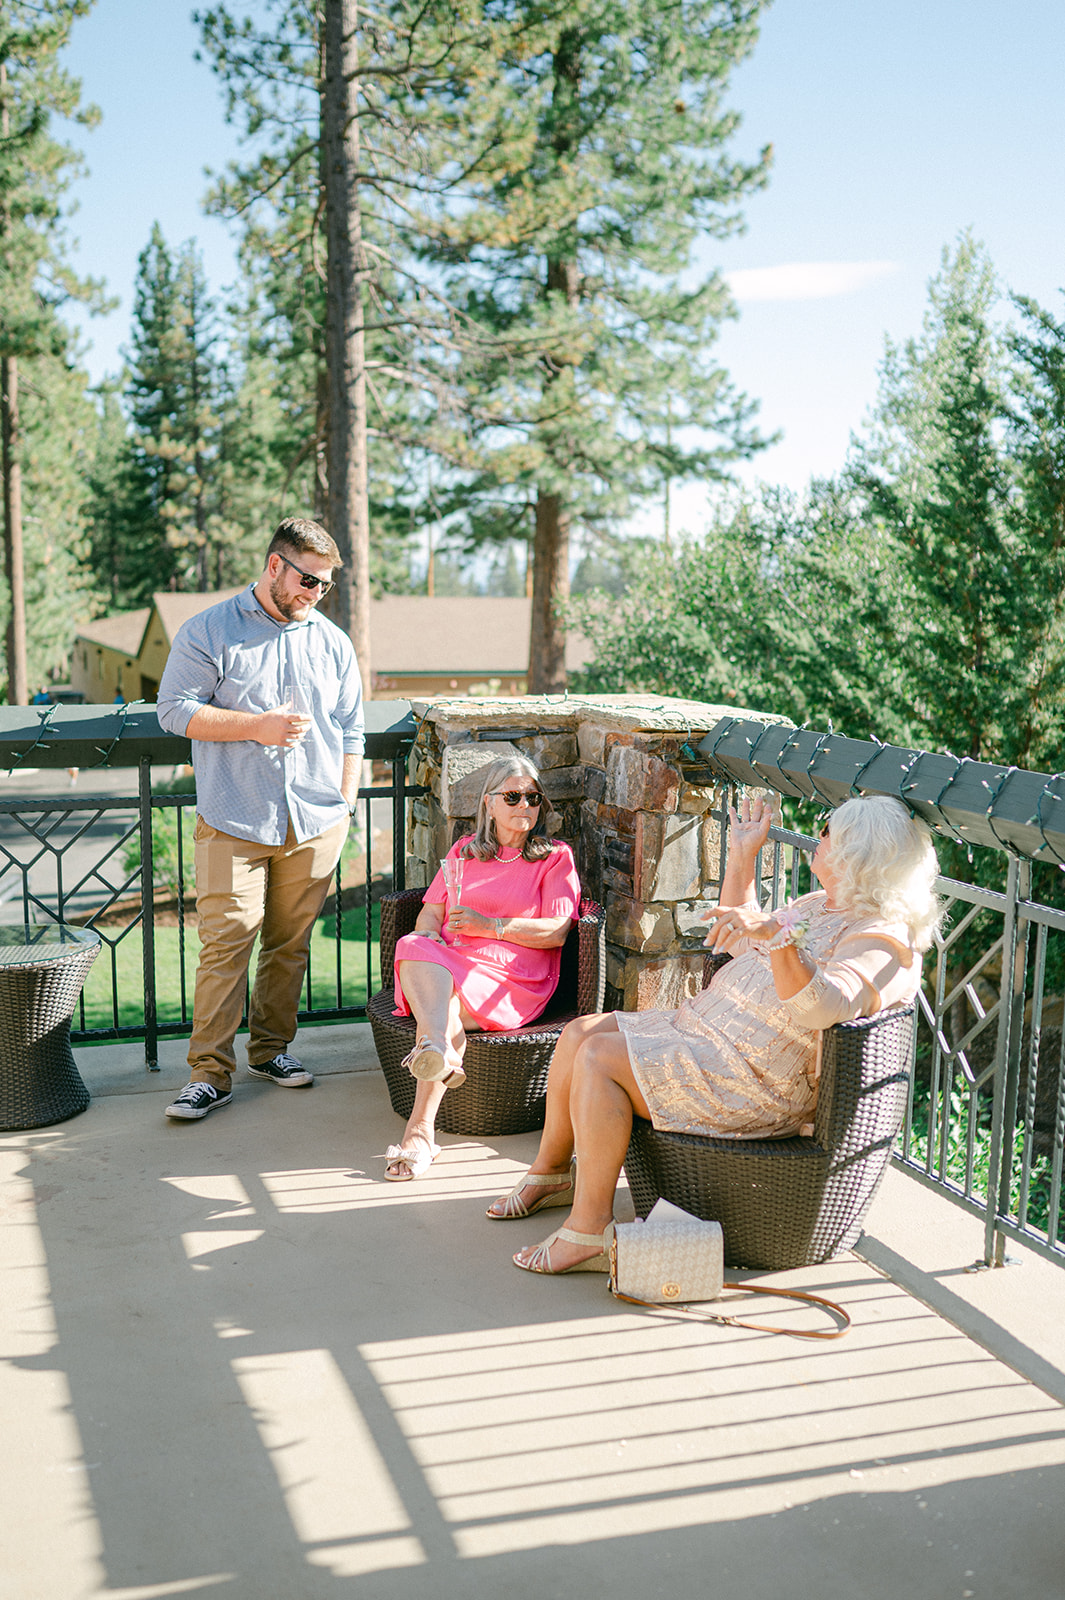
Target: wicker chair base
point(506, 1073)
point(39, 1080)
point(792, 1202)
point(765, 1195)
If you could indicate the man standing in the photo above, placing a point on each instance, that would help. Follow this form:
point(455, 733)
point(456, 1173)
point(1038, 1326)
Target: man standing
point(269, 693)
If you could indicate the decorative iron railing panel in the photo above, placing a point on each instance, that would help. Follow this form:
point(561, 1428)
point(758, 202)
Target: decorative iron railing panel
point(122, 865)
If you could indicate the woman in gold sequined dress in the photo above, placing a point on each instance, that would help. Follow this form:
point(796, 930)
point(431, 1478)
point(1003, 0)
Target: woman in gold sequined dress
point(738, 1060)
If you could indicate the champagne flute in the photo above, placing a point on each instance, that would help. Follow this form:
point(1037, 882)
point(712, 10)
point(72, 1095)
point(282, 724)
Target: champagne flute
point(452, 870)
point(299, 700)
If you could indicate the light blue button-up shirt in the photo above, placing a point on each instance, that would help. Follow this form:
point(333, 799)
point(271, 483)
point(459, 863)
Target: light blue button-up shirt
point(237, 656)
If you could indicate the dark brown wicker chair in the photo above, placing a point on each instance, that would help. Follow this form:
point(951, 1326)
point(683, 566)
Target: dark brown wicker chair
point(793, 1202)
point(506, 1073)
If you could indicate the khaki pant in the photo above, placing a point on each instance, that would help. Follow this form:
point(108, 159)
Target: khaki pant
point(242, 889)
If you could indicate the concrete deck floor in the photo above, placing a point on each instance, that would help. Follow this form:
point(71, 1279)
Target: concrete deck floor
point(237, 1364)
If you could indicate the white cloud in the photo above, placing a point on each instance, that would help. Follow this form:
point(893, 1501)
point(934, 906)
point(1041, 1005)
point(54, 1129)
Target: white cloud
point(807, 280)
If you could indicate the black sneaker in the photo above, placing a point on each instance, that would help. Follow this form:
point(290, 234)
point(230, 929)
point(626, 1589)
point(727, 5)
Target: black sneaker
point(285, 1070)
point(196, 1100)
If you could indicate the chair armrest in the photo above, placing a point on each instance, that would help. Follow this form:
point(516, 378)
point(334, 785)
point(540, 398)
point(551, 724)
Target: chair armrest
point(864, 1080)
point(591, 961)
point(713, 962)
point(399, 913)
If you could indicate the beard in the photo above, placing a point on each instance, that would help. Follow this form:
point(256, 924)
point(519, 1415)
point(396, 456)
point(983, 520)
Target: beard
point(292, 607)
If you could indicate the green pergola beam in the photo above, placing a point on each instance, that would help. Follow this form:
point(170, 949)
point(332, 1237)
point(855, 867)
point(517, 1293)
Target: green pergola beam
point(976, 802)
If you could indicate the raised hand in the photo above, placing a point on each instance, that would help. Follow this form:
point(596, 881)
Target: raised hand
point(749, 828)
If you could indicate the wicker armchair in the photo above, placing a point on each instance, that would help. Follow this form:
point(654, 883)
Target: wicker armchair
point(506, 1073)
point(793, 1202)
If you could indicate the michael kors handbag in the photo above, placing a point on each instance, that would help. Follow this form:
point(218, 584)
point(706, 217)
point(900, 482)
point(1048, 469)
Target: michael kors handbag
point(672, 1258)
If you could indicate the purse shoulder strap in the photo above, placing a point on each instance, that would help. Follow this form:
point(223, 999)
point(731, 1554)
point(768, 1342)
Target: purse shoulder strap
point(760, 1327)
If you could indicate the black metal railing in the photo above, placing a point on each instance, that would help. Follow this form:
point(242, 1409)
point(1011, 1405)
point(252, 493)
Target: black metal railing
point(120, 864)
point(986, 1118)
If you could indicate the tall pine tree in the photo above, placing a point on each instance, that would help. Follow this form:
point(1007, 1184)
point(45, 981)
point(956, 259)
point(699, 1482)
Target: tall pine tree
point(938, 483)
point(1036, 443)
point(171, 396)
point(35, 169)
point(342, 112)
point(606, 162)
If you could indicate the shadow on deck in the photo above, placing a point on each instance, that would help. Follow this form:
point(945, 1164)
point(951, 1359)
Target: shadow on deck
point(239, 1364)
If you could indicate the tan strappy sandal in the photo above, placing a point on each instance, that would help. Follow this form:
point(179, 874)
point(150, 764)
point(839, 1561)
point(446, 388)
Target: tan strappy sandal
point(514, 1206)
point(540, 1260)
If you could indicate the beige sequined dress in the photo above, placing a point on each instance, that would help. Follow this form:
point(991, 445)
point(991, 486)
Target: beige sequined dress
point(739, 1062)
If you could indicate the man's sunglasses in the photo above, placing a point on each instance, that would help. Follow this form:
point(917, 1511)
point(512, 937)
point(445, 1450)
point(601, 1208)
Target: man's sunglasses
point(307, 579)
point(514, 797)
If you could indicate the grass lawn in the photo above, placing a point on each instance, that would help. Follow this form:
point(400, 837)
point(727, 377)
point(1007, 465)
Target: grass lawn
point(119, 973)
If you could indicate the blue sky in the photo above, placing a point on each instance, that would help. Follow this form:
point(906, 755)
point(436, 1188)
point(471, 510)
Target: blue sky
point(895, 125)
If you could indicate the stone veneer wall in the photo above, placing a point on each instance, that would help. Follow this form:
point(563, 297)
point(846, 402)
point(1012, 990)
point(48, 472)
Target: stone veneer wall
point(633, 802)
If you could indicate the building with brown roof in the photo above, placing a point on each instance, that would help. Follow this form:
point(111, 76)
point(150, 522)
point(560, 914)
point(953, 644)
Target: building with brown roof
point(426, 646)
point(125, 654)
point(422, 646)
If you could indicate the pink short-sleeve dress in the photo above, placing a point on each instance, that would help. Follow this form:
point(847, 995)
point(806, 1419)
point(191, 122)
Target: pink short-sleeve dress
point(501, 985)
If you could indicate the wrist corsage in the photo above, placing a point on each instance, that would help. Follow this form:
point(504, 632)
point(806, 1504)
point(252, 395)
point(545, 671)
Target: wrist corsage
point(793, 928)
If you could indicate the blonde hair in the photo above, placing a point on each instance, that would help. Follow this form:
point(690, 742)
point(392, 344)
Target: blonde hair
point(484, 843)
point(885, 865)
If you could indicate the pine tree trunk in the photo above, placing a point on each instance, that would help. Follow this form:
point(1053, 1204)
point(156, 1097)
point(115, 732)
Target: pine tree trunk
point(349, 521)
point(321, 369)
point(321, 444)
point(18, 693)
point(547, 643)
point(199, 465)
point(547, 636)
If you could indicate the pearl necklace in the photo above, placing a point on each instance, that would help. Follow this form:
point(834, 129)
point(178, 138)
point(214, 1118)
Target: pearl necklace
point(507, 861)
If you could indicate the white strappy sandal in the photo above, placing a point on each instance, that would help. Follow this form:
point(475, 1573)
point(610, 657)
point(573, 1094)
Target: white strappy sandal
point(417, 1158)
point(514, 1206)
point(540, 1260)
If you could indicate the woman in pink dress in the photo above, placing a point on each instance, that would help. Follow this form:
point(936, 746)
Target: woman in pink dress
point(740, 1059)
point(491, 961)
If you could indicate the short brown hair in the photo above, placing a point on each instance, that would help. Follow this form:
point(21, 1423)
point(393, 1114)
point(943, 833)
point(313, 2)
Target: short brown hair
point(304, 537)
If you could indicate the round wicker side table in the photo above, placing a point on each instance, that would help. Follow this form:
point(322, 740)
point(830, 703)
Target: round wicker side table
point(42, 969)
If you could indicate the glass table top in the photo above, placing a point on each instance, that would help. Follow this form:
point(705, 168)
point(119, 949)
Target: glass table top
point(24, 944)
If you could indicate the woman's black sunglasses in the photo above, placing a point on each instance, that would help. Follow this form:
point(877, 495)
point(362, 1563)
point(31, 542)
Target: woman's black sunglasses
point(513, 797)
